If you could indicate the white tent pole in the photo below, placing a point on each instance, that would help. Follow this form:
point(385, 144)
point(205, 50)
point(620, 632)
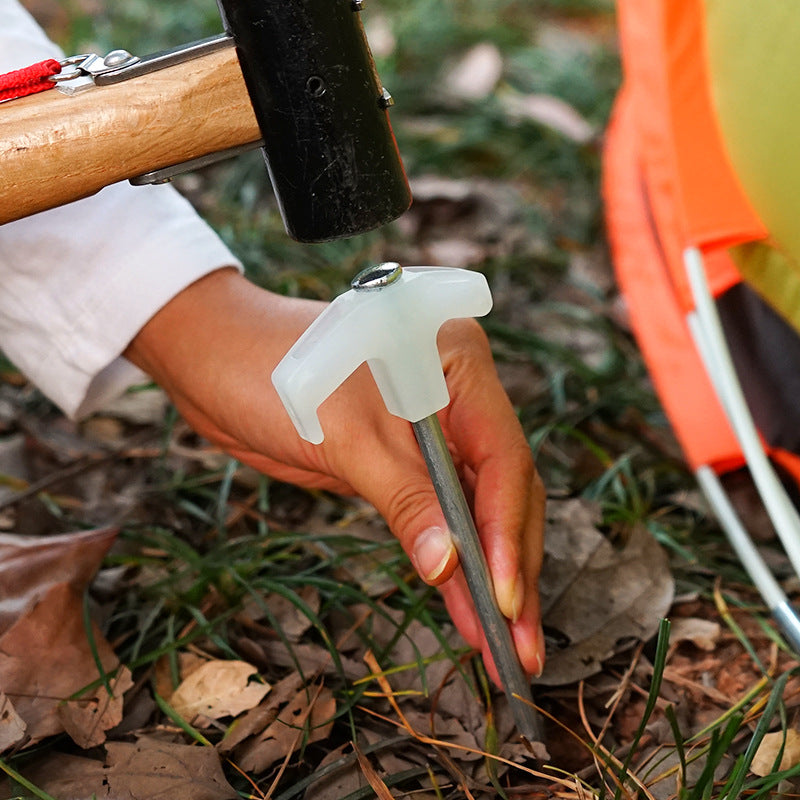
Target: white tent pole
point(714, 351)
point(748, 554)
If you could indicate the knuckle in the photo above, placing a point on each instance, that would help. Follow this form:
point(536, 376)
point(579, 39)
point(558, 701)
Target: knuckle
point(519, 456)
point(406, 504)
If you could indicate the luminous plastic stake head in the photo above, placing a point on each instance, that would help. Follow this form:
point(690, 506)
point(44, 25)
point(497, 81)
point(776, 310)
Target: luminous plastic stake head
point(390, 319)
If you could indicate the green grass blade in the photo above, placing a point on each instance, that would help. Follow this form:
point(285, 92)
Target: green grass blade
point(737, 778)
point(659, 662)
point(22, 781)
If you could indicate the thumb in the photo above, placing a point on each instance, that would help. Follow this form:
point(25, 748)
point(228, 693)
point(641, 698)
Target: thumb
point(433, 554)
point(412, 511)
point(394, 478)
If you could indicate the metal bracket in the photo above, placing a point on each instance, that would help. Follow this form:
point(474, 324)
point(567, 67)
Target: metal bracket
point(88, 70)
point(166, 174)
point(164, 59)
point(82, 72)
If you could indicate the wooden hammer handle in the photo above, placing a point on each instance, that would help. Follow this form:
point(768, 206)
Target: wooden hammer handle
point(56, 148)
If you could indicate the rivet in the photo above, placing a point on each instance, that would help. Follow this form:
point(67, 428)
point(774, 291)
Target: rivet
point(385, 100)
point(117, 58)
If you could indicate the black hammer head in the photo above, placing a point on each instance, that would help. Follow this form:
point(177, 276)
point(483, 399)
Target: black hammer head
point(329, 147)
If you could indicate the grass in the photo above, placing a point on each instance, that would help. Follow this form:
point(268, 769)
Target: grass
point(217, 544)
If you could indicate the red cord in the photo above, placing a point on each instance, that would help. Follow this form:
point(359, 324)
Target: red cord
point(29, 80)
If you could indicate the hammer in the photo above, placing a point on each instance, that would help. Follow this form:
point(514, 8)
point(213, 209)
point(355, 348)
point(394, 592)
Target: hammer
point(295, 77)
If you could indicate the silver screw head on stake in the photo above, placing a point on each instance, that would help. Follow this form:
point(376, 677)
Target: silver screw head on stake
point(378, 277)
point(390, 319)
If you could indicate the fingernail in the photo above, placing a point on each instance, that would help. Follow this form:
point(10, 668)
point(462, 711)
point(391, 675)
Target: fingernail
point(511, 596)
point(433, 550)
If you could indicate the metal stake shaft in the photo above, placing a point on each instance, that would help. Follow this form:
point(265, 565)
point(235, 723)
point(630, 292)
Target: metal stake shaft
point(473, 562)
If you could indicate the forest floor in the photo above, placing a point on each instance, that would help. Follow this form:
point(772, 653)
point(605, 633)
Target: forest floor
point(258, 640)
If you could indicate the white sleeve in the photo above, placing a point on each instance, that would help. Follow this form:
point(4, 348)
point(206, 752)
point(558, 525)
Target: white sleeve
point(78, 282)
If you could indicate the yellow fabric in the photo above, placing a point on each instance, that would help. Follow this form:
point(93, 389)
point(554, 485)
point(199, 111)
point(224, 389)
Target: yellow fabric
point(754, 60)
point(774, 275)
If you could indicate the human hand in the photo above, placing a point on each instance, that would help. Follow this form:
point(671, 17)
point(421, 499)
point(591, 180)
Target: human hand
point(213, 348)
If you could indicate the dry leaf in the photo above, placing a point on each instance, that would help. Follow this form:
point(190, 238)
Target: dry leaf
point(147, 770)
point(259, 718)
point(30, 565)
point(87, 718)
point(218, 689)
point(303, 720)
point(187, 664)
point(416, 648)
point(363, 567)
point(370, 773)
point(107, 431)
point(66, 777)
point(476, 74)
point(311, 659)
point(341, 782)
point(702, 633)
point(153, 769)
point(552, 112)
point(397, 758)
point(597, 599)
point(45, 658)
point(448, 730)
point(764, 759)
point(12, 726)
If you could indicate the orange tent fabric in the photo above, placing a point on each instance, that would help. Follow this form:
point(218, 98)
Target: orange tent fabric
point(694, 194)
point(657, 318)
point(668, 185)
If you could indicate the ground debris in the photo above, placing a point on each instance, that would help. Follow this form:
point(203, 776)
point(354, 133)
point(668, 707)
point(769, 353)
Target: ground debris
point(145, 770)
point(597, 600)
point(41, 600)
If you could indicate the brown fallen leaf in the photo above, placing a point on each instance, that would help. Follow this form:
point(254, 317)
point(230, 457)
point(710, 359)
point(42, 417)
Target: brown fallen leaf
point(764, 760)
point(64, 776)
point(448, 730)
point(702, 633)
point(87, 718)
point(598, 599)
point(187, 664)
point(259, 718)
point(45, 658)
point(305, 719)
point(154, 769)
point(311, 659)
point(147, 770)
point(218, 689)
point(12, 726)
point(30, 565)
